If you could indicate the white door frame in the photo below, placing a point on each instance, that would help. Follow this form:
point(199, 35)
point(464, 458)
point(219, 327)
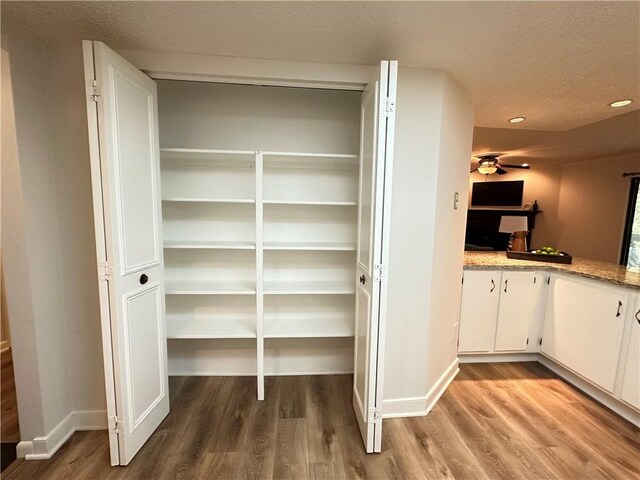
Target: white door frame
point(101, 248)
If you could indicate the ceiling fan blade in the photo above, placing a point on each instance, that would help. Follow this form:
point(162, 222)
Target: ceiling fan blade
point(504, 165)
point(501, 171)
point(474, 170)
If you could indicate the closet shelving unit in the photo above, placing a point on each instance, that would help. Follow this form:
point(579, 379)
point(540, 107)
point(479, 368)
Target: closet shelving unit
point(259, 245)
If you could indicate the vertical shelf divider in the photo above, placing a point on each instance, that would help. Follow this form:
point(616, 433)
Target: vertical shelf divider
point(259, 277)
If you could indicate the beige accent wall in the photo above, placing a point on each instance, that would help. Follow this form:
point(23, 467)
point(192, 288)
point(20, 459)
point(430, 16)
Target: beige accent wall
point(592, 207)
point(583, 204)
point(541, 184)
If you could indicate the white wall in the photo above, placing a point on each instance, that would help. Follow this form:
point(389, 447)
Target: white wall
point(222, 116)
point(456, 133)
point(47, 237)
point(16, 266)
point(31, 247)
point(434, 124)
point(68, 116)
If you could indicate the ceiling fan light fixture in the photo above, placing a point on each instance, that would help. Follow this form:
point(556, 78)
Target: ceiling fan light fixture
point(525, 165)
point(487, 169)
point(517, 119)
point(620, 103)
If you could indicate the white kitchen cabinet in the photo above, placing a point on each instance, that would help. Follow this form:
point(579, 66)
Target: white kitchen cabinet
point(583, 327)
point(630, 392)
point(518, 311)
point(479, 310)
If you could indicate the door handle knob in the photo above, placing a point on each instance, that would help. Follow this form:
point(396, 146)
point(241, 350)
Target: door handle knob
point(363, 279)
point(143, 279)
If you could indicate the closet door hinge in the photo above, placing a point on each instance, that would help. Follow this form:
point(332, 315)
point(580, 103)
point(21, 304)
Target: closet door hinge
point(387, 106)
point(374, 415)
point(115, 425)
point(96, 91)
point(379, 272)
point(105, 271)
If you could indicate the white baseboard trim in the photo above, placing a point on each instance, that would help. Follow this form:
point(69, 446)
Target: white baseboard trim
point(601, 396)
point(497, 357)
point(441, 385)
point(420, 406)
point(42, 448)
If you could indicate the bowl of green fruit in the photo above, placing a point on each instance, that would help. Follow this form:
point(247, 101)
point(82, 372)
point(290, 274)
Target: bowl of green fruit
point(544, 254)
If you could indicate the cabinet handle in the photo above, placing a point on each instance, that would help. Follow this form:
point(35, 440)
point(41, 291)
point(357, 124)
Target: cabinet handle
point(619, 307)
point(493, 286)
point(363, 279)
point(638, 316)
point(505, 285)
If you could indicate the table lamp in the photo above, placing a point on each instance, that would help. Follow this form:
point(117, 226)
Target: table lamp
point(518, 227)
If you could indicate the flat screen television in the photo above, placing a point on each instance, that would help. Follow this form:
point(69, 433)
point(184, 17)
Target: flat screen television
point(497, 194)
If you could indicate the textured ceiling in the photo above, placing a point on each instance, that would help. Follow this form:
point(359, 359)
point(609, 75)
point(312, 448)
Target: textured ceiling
point(557, 63)
point(615, 136)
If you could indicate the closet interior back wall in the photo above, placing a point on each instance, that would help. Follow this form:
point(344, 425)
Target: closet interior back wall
point(259, 188)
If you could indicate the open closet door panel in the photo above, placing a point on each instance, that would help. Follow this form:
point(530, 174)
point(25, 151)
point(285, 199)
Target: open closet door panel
point(123, 131)
point(374, 202)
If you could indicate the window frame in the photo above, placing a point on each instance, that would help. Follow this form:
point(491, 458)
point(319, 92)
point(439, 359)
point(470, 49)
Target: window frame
point(628, 222)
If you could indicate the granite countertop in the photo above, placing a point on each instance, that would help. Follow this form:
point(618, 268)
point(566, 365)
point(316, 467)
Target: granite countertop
point(607, 272)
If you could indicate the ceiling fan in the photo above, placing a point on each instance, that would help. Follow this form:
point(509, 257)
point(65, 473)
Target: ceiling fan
point(488, 163)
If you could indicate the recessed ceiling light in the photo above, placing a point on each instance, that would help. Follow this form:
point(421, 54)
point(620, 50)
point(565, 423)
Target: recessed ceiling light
point(517, 119)
point(620, 103)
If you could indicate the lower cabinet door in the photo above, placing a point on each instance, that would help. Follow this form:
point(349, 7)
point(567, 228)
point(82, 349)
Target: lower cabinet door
point(583, 327)
point(631, 376)
point(479, 310)
point(518, 312)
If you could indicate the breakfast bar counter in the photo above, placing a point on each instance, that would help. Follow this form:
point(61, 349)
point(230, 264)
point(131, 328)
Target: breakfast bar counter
point(594, 269)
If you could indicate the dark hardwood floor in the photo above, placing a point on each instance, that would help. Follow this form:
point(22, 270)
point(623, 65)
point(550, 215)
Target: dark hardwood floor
point(496, 421)
point(9, 427)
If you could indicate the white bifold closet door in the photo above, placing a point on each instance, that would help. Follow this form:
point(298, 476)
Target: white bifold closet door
point(377, 123)
point(125, 168)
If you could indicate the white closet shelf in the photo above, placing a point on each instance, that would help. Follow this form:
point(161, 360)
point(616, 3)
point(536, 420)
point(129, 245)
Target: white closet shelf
point(311, 202)
point(308, 328)
point(208, 287)
point(182, 152)
point(293, 287)
point(314, 161)
point(210, 200)
point(207, 244)
point(309, 246)
point(202, 157)
point(179, 327)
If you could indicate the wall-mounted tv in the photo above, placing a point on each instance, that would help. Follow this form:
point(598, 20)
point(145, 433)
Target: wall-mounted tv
point(497, 194)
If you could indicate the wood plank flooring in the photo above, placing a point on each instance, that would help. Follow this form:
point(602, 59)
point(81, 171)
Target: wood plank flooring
point(10, 430)
point(496, 421)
